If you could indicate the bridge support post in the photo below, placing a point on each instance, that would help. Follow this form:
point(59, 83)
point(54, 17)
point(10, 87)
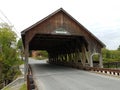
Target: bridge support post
point(91, 60)
point(26, 60)
point(84, 58)
point(100, 61)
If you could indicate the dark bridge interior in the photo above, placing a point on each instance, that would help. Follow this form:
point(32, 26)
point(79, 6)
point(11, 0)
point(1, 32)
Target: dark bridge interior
point(61, 48)
point(57, 43)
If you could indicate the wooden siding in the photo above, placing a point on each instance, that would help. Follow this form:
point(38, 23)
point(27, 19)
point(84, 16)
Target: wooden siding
point(62, 19)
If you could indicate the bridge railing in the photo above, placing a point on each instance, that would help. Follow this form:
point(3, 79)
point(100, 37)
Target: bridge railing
point(109, 71)
point(79, 65)
point(112, 64)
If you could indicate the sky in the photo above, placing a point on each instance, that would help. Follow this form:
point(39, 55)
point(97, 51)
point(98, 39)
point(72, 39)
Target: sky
point(100, 17)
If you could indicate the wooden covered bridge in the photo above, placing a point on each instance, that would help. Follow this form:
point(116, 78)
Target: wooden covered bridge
point(64, 38)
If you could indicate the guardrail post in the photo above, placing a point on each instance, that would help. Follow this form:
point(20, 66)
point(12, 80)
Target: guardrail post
point(100, 61)
point(28, 83)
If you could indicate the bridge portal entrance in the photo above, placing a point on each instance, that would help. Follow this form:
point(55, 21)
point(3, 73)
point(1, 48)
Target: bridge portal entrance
point(64, 38)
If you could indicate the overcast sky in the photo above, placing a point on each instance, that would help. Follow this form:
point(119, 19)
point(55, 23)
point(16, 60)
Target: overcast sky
point(101, 17)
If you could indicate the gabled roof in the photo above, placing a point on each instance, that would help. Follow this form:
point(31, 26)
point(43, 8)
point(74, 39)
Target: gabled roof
point(57, 11)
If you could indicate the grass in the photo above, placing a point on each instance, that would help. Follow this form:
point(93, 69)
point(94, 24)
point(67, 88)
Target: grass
point(23, 87)
point(7, 89)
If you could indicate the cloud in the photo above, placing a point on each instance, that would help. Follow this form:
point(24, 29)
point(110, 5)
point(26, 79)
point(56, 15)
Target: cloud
point(101, 17)
point(110, 35)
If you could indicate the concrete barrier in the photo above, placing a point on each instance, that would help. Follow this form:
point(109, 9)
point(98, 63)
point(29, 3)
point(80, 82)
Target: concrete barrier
point(16, 82)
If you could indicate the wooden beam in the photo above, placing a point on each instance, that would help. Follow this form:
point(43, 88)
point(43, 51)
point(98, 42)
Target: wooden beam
point(26, 59)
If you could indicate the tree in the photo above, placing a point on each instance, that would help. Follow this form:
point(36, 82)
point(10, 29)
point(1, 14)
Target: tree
point(7, 36)
point(20, 48)
point(118, 48)
point(19, 44)
point(110, 55)
point(8, 54)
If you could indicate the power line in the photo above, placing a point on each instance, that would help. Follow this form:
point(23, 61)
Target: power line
point(2, 20)
point(9, 22)
point(6, 17)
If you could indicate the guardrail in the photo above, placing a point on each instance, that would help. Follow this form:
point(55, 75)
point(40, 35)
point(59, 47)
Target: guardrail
point(30, 80)
point(115, 72)
point(18, 81)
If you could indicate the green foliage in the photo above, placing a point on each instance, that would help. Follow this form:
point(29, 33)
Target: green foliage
point(40, 55)
point(111, 55)
point(6, 89)
point(8, 53)
point(7, 36)
point(23, 87)
point(96, 57)
point(43, 53)
point(118, 48)
point(19, 44)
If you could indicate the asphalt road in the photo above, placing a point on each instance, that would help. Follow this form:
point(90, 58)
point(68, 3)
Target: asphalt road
point(52, 77)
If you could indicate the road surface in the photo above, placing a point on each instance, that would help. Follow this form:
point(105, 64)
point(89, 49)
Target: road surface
point(52, 77)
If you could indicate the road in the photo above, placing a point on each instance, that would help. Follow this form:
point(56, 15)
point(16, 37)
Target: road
point(52, 77)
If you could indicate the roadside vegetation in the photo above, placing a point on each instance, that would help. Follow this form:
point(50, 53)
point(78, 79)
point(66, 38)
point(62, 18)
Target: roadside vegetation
point(9, 56)
point(39, 55)
point(111, 58)
point(11, 51)
point(109, 55)
point(23, 87)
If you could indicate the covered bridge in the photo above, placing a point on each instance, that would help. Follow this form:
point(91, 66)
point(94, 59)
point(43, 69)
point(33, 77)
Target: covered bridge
point(64, 38)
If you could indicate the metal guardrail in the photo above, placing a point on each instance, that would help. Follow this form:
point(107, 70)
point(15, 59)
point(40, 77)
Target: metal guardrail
point(115, 72)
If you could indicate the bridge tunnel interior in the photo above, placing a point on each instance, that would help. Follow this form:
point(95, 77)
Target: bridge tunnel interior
point(62, 49)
